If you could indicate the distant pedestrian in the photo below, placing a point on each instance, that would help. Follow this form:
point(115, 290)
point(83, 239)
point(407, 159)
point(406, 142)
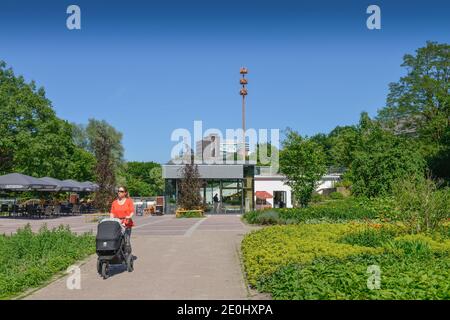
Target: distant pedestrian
point(216, 203)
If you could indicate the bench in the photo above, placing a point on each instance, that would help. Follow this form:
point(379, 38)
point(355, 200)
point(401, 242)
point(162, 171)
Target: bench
point(179, 213)
point(232, 209)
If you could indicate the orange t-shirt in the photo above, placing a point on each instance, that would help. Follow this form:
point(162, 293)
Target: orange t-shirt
point(122, 211)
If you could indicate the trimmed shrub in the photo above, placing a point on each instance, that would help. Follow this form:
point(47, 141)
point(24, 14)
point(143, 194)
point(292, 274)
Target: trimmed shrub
point(421, 206)
point(316, 198)
point(372, 236)
point(336, 195)
point(268, 217)
point(384, 207)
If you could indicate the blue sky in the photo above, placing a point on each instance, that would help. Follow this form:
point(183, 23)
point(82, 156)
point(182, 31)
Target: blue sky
point(149, 67)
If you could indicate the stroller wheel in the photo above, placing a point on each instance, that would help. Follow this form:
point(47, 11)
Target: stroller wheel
point(99, 266)
point(105, 270)
point(130, 263)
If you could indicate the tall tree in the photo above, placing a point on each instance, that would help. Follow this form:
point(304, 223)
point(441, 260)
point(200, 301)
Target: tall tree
point(105, 143)
point(325, 142)
point(143, 178)
point(33, 140)
point(421, 99)
point(189, 197)
point(157, 181)
point(419, 104)
point(303, 162)
point(81, 166)
point(381, 158)
point(80, 136)
point(343, 142)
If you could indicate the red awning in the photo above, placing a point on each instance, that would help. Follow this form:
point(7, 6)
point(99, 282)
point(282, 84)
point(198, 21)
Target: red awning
point(263, 195)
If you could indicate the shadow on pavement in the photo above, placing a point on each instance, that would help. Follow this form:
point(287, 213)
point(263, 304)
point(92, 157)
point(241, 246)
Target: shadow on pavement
point(116, 269)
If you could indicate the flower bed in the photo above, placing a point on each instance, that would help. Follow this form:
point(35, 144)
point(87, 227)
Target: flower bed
point(330, 261)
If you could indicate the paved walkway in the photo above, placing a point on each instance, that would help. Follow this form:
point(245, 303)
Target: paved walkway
point(176, 259)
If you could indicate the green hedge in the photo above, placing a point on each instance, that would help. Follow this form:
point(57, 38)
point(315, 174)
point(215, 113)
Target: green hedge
point(336, 196)
point(329, 211)
point(329, 261)
point(29, 259)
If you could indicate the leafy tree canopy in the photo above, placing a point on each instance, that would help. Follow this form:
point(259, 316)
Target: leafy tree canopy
point(143, 178)
point(33, 140)
point(421, 99)
point(303, 162)
point(381, 158)
point(419, 103)
point(105, 143)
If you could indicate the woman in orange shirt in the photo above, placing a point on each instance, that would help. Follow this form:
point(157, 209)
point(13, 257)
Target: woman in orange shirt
point(123, 209)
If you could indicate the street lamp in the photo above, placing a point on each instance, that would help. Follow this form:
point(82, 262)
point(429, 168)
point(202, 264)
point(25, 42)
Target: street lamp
point(243, 92)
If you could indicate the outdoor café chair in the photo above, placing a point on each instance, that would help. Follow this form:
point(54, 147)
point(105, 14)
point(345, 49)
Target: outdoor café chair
point(4, 208)
point(39, 210)
point(57, 210)
point(35, 211)
point(76, 209)
point(139, 210)
point(17, 210)
point(30, 211)
point(64, 210)
point(48, 212)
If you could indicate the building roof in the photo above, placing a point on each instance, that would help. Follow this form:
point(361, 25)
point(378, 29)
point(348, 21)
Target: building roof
point(206, 171)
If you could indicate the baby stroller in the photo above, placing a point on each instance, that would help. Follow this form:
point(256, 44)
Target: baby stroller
point(111, 246)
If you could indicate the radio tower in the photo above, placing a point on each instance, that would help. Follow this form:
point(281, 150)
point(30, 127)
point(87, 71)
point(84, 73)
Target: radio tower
point(243, 93)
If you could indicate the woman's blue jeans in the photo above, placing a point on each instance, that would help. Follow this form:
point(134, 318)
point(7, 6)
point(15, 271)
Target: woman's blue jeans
point(128, 239)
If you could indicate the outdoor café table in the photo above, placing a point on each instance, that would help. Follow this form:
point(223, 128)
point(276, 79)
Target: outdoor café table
point(4, 208)
point(22, 210)
point(16, 210)
point(13, 210)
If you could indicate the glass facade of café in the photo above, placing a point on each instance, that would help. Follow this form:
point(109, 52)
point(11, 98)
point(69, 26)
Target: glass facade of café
point(233, 184)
